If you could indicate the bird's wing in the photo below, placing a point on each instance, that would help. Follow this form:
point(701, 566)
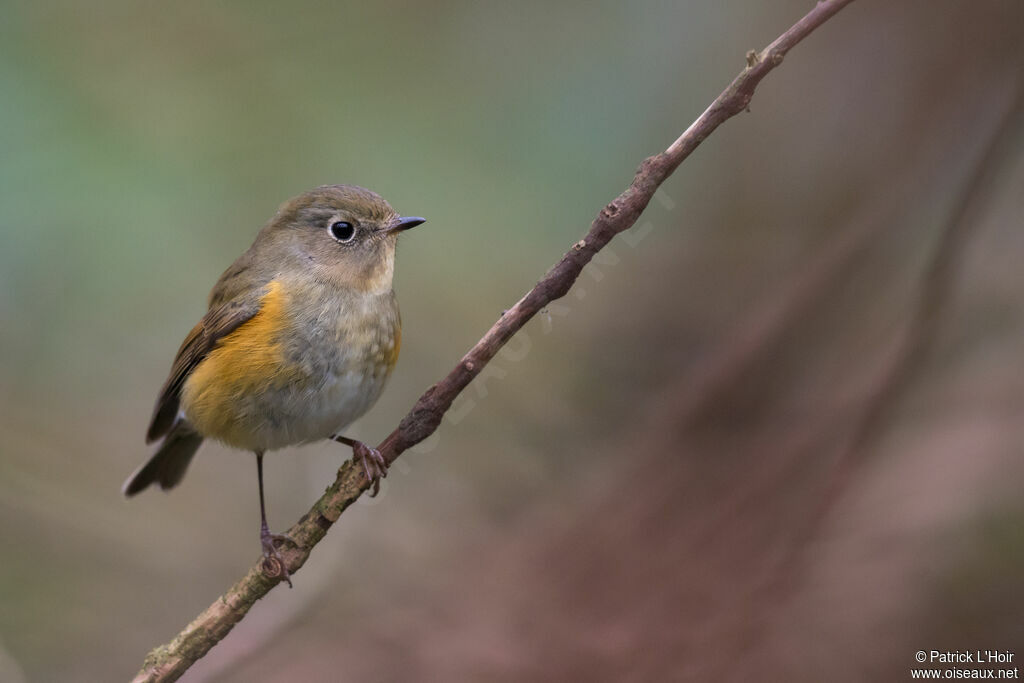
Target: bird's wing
point(217, 323)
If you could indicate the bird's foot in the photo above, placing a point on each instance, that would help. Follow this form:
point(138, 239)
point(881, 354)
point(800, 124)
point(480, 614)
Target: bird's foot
point(273, 564)
point(374, 464)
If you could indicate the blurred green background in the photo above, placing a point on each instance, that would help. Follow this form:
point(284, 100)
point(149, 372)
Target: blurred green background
point(654, 481)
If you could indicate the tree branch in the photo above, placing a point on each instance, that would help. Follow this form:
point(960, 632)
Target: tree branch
point(170, 661)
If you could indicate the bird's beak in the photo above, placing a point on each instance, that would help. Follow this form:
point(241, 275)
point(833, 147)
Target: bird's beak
point(406, 222)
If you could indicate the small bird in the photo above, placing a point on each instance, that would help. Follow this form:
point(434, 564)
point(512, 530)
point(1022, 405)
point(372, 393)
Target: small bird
point(301, 335)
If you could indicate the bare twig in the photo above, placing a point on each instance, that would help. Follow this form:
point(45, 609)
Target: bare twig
point(168, 662)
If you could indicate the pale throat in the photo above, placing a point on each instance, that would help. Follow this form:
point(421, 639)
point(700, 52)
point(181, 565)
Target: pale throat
point(379, 276)
point(371, 277)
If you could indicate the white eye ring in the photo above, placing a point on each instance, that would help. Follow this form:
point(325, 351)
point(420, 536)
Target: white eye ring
point(342, 231)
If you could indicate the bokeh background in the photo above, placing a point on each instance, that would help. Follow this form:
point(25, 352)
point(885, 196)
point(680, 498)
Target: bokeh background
point(741, 449)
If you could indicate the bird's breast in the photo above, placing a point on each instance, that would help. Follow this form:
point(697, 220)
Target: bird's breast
point(308, 364)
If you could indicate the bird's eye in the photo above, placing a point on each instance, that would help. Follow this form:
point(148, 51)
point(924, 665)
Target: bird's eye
point(342, 231)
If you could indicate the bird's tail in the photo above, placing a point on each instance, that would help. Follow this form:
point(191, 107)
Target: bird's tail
point(168, 464)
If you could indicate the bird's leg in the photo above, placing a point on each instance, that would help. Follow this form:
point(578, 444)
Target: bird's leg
point(273, 563)
point(374, 464)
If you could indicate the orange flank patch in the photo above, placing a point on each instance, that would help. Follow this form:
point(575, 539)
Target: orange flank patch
point(395, 348)
point(247, 362)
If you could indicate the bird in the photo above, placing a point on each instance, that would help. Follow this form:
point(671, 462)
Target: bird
point(300, 337)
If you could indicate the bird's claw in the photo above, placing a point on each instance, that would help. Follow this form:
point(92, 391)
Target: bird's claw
point(273, 564)
point(374, 464)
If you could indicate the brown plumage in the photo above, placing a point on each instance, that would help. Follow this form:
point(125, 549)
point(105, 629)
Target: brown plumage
point(301, 335)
